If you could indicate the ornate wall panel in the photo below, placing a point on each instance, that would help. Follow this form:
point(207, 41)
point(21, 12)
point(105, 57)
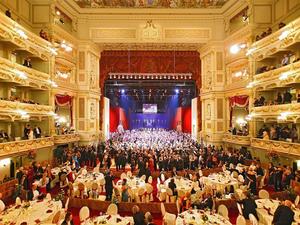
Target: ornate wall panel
point(113, 33)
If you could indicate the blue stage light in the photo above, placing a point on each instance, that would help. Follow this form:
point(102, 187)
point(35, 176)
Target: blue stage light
point(122, 91)
point(176, 91)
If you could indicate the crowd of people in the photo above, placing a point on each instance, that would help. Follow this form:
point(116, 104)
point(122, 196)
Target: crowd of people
point(147, 151)
point(285, 98)
point(279, 133)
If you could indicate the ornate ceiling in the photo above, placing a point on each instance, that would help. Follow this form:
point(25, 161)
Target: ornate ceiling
point(151, 3)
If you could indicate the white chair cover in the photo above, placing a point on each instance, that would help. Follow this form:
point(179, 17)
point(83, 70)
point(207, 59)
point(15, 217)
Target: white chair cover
point(84, 213)
point(240, 220)
point(253, 219)
point(223, 211)
point(263, 194)
point(18, 201)
point(112, 209)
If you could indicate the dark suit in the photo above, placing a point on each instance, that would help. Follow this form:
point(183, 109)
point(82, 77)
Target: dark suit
point(66, 223)
point(283, 216)
point(172, 186)
point(37, 132)
point(139, 218)
point(108, 186)
point(249, 206)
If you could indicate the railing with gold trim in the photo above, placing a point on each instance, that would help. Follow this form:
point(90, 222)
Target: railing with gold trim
point(9, 71)
point(13, 107)
point(10, 31)
point(16, 147)
point(270, 79)
point(277, 41)
point(236, 139)
point(67, 138)
point(277, 146)
point(275, 110)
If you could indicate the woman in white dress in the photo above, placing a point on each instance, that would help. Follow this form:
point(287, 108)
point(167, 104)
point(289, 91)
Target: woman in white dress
point(30, 134)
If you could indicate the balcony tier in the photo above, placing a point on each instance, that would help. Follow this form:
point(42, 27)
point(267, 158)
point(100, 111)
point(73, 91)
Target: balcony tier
point(271, 45)
point(17, 147)
point(273, 111)
point(277, 146)
point(12, 108)
point(67, 138)
point(270, 79)
point(236, 139)
point(9, 32)
point(35, 79)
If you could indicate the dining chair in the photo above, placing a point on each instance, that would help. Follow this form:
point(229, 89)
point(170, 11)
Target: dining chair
point(56, 218)
point(48, 197)
point(223, 211)
point(169, 219)
point(253, 219)
point(169, 193)
point(129, 174)
point(112, 209)
point(240, 220)
point(239, 208)
point(67, 204)
point(130, 195)
point(18, 201)
point(149, 191)
point(123, 176)
point(102, 185)
point(297, 200)
point(143, 177)
point(84, 213)
point(263, 194)
point(162, 209)
point(96, 169)
point(150, 180)
point(140, 195)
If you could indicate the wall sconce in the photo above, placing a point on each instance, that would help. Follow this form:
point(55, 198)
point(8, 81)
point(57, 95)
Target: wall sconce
point(236, 48)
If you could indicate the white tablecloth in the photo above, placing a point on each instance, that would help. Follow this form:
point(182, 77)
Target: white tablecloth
point(110, 220)
point(132, 182)
point(42, 211)
point(220, 181)
point(263, 205)
point(88, 179)
point(181, 184)
point(196, 217)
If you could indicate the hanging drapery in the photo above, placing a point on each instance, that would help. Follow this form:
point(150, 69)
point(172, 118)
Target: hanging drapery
point(65, 101)
point(241, 101)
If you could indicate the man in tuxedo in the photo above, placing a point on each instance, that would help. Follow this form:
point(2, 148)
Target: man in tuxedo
point(172, 186)
point(33, 194)
point(108, 185)
point(37, 132)
point(27, 62)
point(19, 175)
point(26, 131)
point(138, 216)
point(249, 207)
point(284, 215)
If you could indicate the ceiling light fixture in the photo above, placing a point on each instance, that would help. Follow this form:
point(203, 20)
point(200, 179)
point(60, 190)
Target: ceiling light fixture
point(284, 35)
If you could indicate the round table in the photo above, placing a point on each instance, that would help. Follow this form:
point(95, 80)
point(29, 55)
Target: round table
point(182, 183)
point(33, 213)
point(220, 181)
point(110, 220)
point(200, 217)
point(89, 179)
point(134, 183)
point(266, 209)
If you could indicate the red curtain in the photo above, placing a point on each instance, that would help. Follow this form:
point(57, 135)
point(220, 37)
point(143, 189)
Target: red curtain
point(64, 100)
point(117, 115)
point(241, 101)
point(183, 117)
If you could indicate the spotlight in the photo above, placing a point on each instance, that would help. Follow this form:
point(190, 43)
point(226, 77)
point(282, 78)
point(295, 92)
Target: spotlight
point(57, 12)
point(176, 91)
point(122, 91)
point(236, 48)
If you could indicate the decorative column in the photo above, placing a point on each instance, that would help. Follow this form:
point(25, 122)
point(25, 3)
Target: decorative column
point(212, 93)
point(87, 101)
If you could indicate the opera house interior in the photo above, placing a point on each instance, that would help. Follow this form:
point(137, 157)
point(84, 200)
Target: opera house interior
point(149, 112)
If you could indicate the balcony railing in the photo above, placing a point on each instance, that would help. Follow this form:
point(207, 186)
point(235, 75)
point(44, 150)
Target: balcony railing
point(277, 41)
point(10, 72)
point(17, 147)
point(16, 107)
point(277, 146)
point(270, 79)
point(276, 110)
point(236, 139)
point(67, 138)
point(11, 31)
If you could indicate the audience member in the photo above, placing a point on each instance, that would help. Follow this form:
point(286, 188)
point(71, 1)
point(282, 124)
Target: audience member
point(68, 219)
point(138, 216)
point(249, 206)
point(284, 215)
point(8, 13)
point(27, 62)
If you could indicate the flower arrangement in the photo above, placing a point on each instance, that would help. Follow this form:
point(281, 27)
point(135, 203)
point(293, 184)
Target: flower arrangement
point(204, 218)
